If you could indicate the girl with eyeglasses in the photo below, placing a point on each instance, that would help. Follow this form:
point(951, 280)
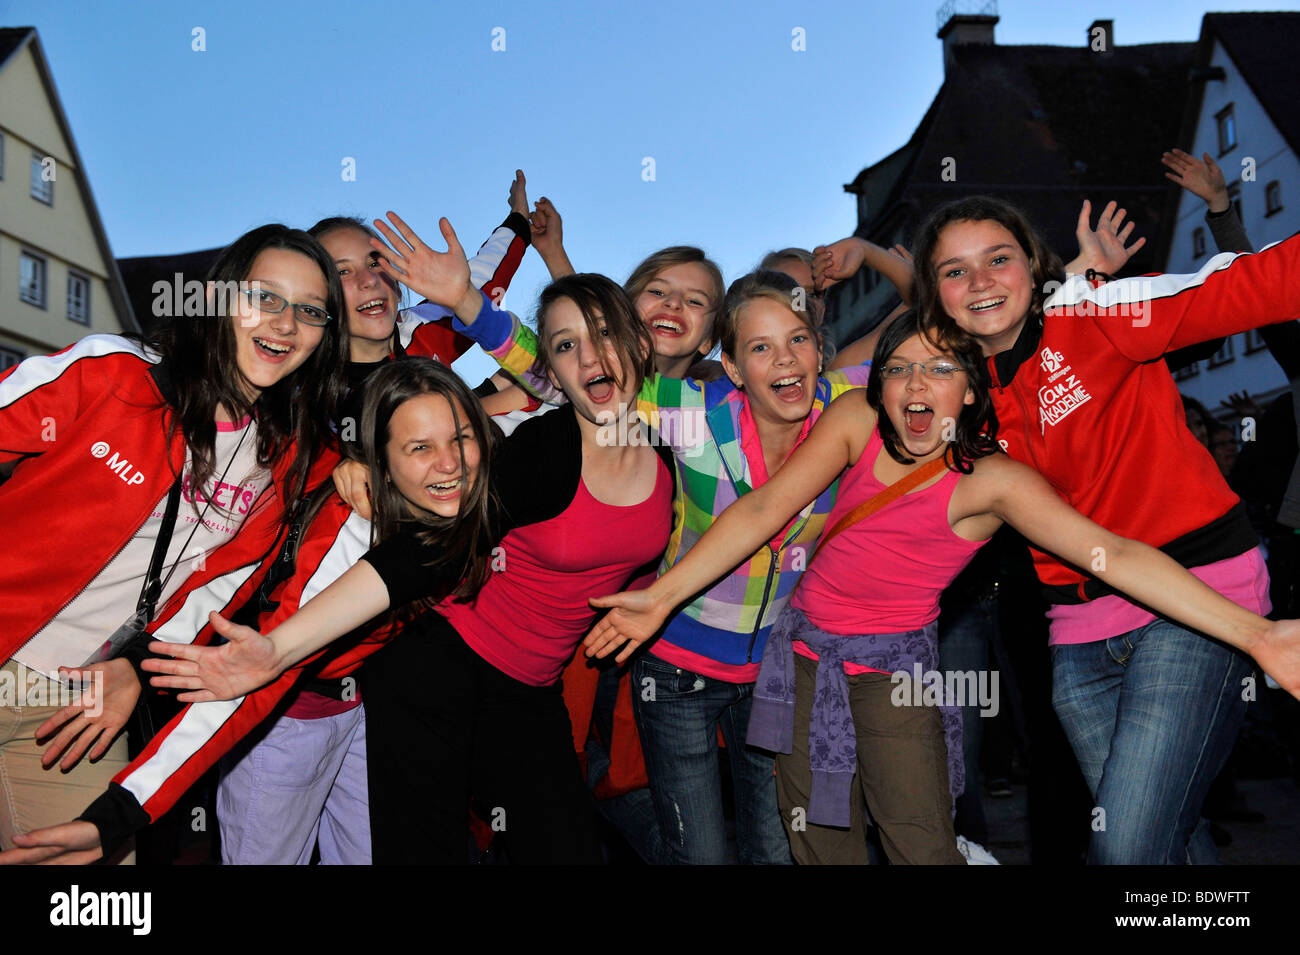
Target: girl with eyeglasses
point(215, 426)
point(837, 694)
point(488, 720)
point(727, 437)
point(309, 763)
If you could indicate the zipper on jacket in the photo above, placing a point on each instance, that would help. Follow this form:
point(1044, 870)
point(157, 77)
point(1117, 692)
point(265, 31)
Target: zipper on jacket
point(762, 608)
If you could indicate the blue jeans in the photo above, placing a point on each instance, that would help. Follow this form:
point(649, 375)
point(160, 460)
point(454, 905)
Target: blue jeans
point(1152, 716)
point(678, 714)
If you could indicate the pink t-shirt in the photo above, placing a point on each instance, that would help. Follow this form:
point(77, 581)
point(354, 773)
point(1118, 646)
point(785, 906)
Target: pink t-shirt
point(883, 574)
point(533, 610)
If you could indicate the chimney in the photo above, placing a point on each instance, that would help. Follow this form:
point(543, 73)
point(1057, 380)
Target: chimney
point(963, 22)
point(1101, 36)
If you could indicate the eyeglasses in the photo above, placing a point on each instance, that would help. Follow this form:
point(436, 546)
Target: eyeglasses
point(940, 370)
point(272, 304)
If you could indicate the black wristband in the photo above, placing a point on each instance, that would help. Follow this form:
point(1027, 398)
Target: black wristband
point(117, 816)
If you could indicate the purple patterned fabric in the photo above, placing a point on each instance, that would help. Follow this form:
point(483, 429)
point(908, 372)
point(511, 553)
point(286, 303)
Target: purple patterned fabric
point(832, 742)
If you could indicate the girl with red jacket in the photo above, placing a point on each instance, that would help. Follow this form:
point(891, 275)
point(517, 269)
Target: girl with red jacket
point(211, 426)
point(487, 716)
point(870, 598)
point(302, 778)
point(1151, 708)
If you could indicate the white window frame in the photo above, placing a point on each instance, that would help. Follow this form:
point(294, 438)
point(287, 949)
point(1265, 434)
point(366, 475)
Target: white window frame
point(9, 357)
point(37, 296)
point(42, 189)
point(80, 315)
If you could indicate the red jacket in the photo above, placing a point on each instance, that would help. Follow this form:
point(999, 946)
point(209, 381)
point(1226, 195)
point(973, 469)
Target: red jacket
point(1087, 402)
point(202, 733)
point(87, 427)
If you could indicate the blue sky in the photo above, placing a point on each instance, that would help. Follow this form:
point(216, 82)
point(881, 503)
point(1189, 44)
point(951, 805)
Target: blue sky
point(752, 140)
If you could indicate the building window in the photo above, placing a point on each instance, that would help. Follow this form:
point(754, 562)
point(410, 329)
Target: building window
point(9, 358)
point(1188, 371)
point(42, 182)
point(1254, 341)
point(31, 279)
point(1198, 242)
point(1223, 355)
point(1227, 125)
point(1273, 198)
point(78, 298)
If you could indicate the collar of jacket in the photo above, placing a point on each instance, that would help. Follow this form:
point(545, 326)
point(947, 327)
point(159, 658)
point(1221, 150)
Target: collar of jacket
point(161, 374)
point(1004, 365)
point(723, 401)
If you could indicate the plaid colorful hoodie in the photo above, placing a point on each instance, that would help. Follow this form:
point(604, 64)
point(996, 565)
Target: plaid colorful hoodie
point(727, 624)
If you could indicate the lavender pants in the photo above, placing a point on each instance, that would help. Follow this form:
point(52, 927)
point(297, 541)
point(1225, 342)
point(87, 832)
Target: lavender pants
point(303, 781)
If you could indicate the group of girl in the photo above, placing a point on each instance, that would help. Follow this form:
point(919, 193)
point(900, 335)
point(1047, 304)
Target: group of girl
point(476, 577)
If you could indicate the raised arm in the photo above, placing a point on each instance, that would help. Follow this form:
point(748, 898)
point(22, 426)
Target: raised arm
point(548, 239)
point(1106, 248)
point(740, 530)
point(1023, 498)
point(841, 260)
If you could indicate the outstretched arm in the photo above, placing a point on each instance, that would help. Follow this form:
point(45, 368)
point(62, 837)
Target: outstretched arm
point(740, 530)
point(1023, 498)
point(250, 659)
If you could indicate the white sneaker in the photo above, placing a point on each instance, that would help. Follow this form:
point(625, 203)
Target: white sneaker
point(975, 853)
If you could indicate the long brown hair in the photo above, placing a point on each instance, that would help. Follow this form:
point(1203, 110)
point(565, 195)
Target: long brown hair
point(296, 412)
point(1045, 268)
point(338, 223)
point(466, 539)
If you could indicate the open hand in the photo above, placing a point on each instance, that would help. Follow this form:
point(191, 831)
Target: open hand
point(1201, 177)
point(236, 668)
point(635, 618)
point(441, 277)
point(109, 693)
point(1107, 248)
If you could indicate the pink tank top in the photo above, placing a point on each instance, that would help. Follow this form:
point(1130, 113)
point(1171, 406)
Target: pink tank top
point(884, 574)
point(533, 609)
